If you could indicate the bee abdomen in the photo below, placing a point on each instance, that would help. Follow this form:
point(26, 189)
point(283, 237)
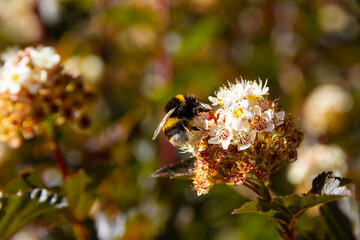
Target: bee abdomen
point(174, 129)
point(176, 134)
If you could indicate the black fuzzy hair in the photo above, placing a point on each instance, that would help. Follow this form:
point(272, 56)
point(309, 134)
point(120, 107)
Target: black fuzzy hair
point(188, 110)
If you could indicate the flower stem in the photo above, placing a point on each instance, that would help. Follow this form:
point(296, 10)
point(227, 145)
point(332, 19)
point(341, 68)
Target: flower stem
point(58, 156)
point(286, 231)
point(265, 191)
point(259, 188)
point(80, 230)
point(55, 148)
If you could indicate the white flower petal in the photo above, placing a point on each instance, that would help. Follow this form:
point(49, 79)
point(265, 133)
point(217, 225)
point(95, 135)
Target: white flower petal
point(213, 141)
point(243, 147)
point(245, 126)
point(43, 75)
point(279, 118)
point(248, 114)
point(14, 88)
point(267, 115)
point(257, 110)
point(269, 127)
point(228, 120)
point(214, 100)
point(225, 144)
point(236, 124)
point(44, 57)
point(245, 103)
point(252, 135)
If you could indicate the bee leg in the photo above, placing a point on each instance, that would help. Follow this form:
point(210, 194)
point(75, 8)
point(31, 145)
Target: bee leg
point(198, 110)
point(194, 128)
point(205, 109)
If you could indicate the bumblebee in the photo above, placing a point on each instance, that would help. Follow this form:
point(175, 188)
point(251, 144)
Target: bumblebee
point(178, 125)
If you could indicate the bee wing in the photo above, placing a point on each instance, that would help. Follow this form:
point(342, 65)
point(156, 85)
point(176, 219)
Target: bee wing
point(183, 170)
point(162, 123)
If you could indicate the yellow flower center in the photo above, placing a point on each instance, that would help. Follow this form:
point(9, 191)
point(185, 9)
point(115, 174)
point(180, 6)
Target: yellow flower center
point(15, 78)
point(238, 112)
point(252, 98)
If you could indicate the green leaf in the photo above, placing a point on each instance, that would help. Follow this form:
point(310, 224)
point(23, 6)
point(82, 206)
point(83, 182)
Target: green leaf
point(79, 195)
point(285, 209)
point(339, 224)
point(24, 199)
point(25, 181)
point(80, 190)
point(18, 209)
point(343, 181)
point(183, 169)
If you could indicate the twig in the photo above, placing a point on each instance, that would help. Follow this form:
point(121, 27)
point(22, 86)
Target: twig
point(57, 155)
point(55, 148)
point(259, 188)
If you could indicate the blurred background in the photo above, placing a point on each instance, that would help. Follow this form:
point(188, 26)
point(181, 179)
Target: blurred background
point(137, 54)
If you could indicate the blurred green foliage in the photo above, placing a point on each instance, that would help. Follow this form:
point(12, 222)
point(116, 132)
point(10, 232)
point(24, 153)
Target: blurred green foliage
point(145, 52)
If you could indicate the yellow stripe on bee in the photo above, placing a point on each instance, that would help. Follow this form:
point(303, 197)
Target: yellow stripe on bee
point(181, 98)
point(170, 122)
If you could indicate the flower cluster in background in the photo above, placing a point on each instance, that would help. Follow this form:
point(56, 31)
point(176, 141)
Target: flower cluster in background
point(34, 89)
point(315, 158)
point(249, 137)
point(325, 109)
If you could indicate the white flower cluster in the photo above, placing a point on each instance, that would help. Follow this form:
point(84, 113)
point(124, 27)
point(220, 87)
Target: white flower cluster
point(244, 112)
point(315, 158)
point(27, 69)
